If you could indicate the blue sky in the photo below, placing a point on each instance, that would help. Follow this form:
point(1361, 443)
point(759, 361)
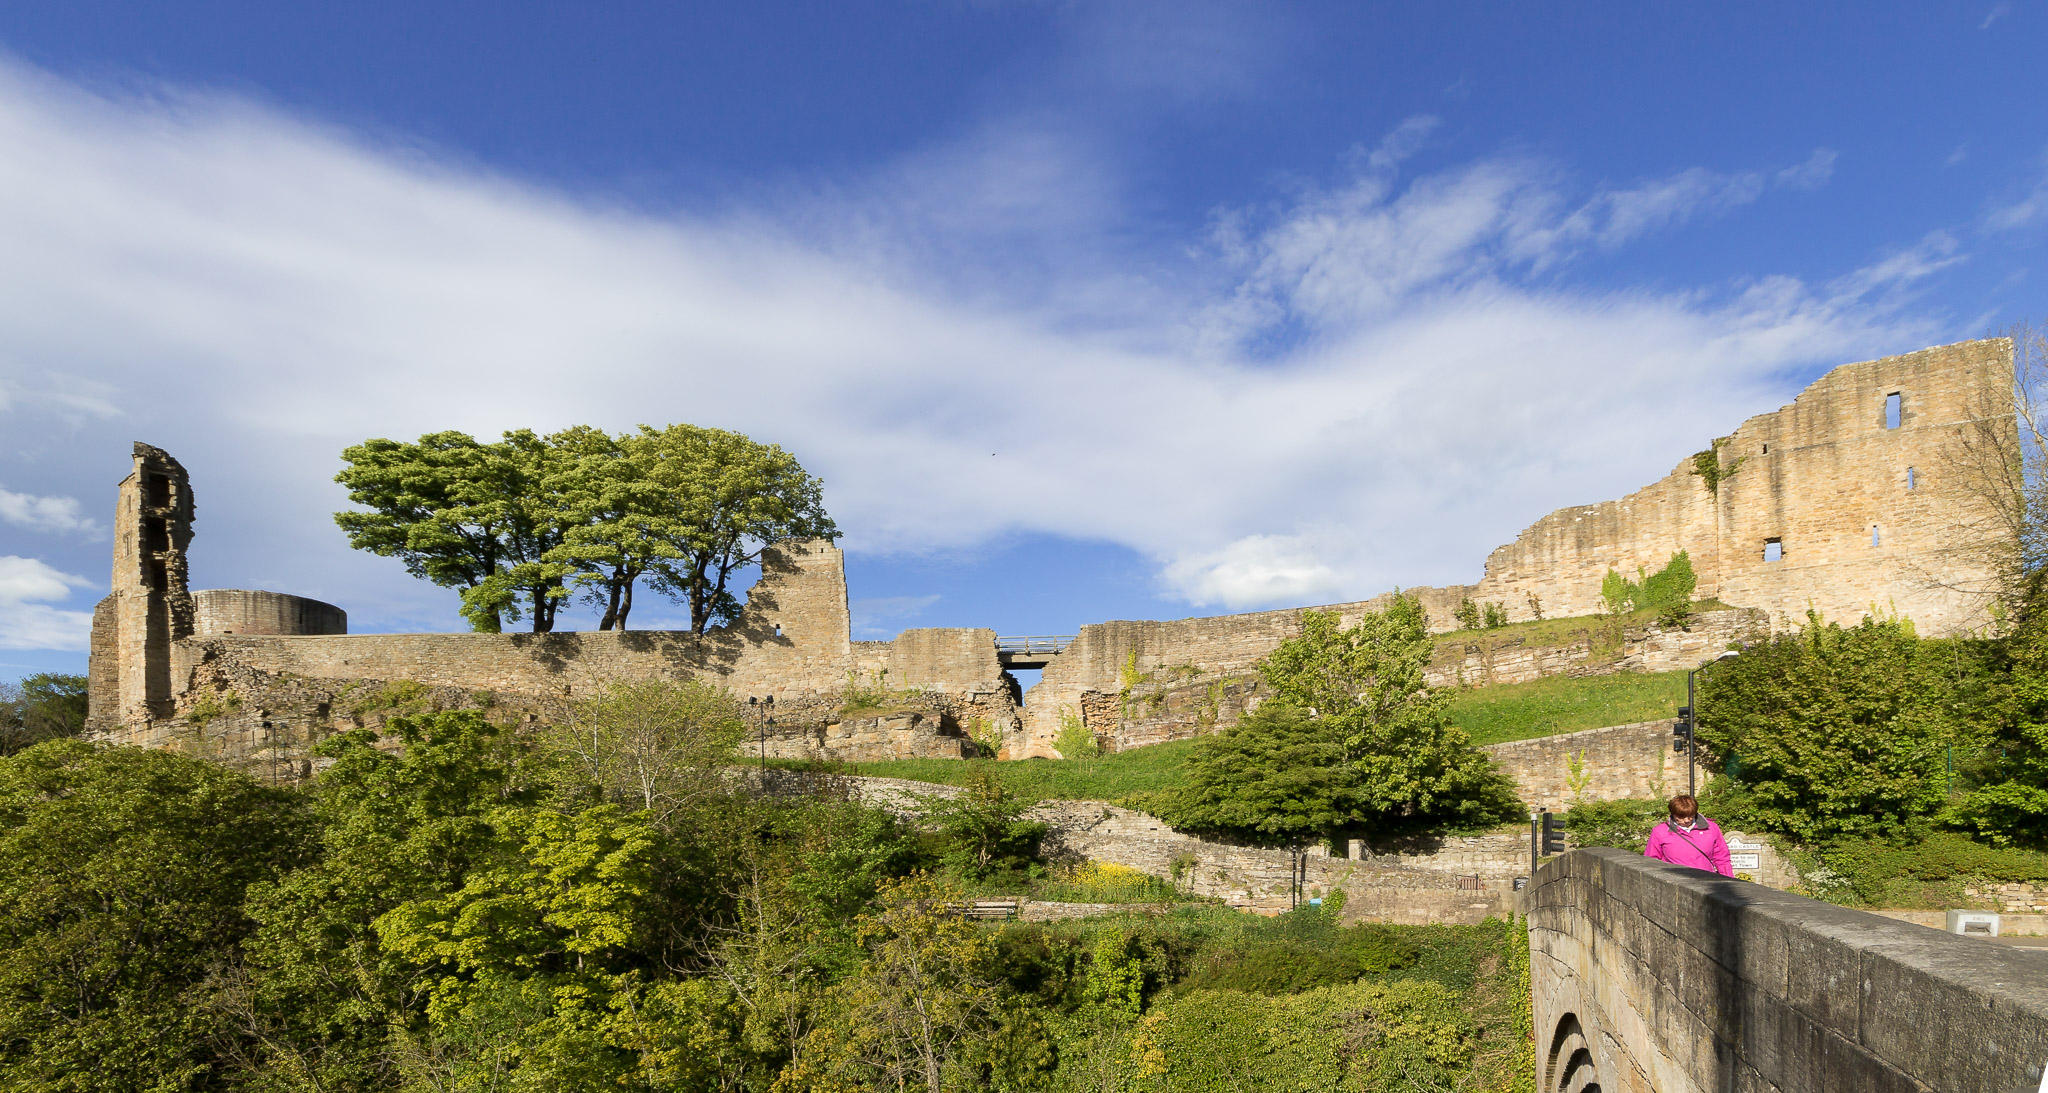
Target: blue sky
point(1082, 311)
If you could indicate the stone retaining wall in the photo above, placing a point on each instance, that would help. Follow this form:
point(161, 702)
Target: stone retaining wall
point(1652, 978)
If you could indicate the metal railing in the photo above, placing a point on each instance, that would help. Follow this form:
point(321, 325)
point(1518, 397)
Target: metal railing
point(1043, 643)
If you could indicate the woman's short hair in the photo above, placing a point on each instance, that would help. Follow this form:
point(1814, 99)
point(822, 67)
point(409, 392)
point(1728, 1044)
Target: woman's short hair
point(1683, 807)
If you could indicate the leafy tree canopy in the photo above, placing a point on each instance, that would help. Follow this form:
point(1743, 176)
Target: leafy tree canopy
point(524, 524)
point(1834, 731)
point(44, 706)
point(1353, 739)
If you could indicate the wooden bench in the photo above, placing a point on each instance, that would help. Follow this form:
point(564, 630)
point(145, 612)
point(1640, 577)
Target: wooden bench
point(990, 910)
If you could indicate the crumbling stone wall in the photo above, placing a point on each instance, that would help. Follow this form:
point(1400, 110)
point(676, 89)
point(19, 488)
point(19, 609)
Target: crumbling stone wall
point(1864, 516)
point(1817, 476)
point(147, 607)
point(792, 642)
point(242, 611)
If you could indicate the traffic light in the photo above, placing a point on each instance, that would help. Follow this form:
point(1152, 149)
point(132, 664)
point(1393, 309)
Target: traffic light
point(1553, 834)
point(1681, 730)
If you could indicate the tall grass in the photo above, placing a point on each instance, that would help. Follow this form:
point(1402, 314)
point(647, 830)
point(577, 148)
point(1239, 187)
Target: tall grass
point(1546, 707)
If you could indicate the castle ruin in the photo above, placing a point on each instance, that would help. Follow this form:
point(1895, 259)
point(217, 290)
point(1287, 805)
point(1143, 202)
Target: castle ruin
point(1841, 502)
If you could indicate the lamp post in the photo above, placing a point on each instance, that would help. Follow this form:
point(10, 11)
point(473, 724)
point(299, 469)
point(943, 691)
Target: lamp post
point(1692, 719)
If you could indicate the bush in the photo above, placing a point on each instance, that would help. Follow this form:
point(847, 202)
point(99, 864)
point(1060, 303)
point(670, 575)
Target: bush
point(1929, 873)
point(1835, 732)
point(1624, 825)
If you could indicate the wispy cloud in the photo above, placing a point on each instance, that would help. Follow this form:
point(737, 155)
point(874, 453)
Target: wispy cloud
point(1362, 387)
point(61, 515)
point(28, 588)
point(2025, 211)
point(1998, 11)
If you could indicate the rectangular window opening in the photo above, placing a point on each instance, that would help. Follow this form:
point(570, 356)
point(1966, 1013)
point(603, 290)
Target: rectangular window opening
point(156, 491)
point(1774, 550)
point(1894, 407)
point(1912, 477)
point(1767, 449)
point(1875, 538)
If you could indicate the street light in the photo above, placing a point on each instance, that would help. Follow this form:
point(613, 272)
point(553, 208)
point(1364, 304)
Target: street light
point(1690, 718)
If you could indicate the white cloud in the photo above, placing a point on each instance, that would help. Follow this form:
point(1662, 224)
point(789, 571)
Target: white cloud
point(27, 621)
point(1998, 11)
point(2026, 211)
point(1254, 569)
point(882, 616)
point(1357, 390)
point(52, 514)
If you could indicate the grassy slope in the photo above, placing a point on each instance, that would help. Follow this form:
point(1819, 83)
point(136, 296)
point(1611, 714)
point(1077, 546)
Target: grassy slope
point(1546, 632)
point(1545, 707)
point(1516, 711)
point(1106, 779)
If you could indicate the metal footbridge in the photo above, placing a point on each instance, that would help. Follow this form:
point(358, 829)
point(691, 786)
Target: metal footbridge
point(1036, 651)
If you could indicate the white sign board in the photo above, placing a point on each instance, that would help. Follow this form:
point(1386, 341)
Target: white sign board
point(1745, 861)
point(1738, 844)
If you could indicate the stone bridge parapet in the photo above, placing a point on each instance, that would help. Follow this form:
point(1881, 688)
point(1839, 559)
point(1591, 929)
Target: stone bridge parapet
point(1652, 978)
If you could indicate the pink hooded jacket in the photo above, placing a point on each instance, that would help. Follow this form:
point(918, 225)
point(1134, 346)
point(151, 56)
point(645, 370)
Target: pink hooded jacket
point(1702, 847)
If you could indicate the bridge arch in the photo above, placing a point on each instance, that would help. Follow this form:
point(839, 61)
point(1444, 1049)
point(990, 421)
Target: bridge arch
point(1569, 1066)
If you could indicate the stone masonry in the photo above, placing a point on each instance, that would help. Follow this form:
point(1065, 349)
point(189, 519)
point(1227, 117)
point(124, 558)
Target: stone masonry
point(1826, 503)
point(1654, 978)
point(1857, 510)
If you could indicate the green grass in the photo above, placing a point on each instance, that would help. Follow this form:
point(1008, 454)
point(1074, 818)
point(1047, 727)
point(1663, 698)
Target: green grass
point(1109, 778)
point(1547, 632)
point(1546, 707)
point(1515, 711)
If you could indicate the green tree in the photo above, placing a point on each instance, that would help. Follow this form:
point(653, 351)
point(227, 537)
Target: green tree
point(1669, 591)
point(657, 745)
point(2010, 806)
point(44, 706)
point(475, 517)
point(1837, 731)
point(1355, 739)
point(919, 1007)
point(122, 878)
point(983, 827)
point(725, 497)
point(1279, 777)
point(519, 526)
point(323, 991)
point(1468, 615)
point(518, 966)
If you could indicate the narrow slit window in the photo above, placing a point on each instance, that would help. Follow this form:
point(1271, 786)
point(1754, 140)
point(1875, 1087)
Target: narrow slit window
point(1774, 550)
point(1912, 478)
point(1767, 449)
point(1894, 406)
point(1875, 538)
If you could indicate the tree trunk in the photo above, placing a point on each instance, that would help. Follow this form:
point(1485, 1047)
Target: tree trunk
point(625, 604)
point(611, 609)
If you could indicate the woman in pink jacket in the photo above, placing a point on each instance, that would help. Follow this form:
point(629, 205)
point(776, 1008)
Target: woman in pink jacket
point(1689, 838)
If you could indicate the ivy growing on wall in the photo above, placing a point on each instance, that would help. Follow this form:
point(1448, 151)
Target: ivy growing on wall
point(1712, 471)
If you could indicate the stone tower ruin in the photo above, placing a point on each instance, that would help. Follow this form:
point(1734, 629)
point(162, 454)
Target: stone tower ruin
point(149, 605)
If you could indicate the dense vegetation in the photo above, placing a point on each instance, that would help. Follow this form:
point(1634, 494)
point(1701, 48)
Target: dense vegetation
point(44, 706)
point(1896, 771)
point(601, 905)
point(1352, 740)
point(527, 523)
point(1864, 731)
point(1118, 776)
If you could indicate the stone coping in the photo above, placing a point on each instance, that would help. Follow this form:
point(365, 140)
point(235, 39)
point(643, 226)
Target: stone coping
point(1951, 1012)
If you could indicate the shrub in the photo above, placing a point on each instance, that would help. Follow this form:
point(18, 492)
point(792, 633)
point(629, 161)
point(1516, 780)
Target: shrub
point(1624, 824)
